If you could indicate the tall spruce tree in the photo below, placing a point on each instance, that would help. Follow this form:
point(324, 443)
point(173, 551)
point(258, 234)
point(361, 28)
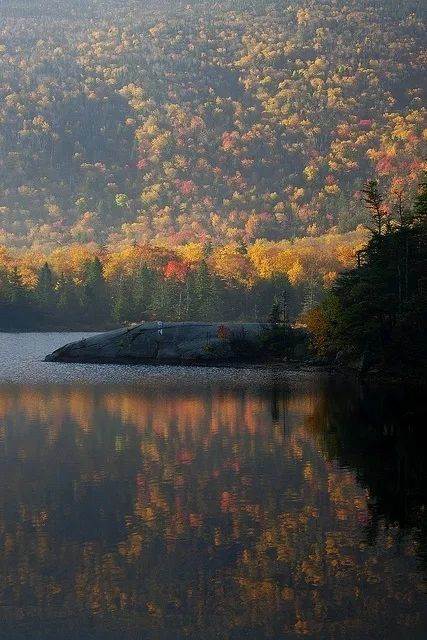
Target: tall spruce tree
point(377, 312)
point(45, 293)
point(143, 291)
point(203, 294)
point(123, 310)
point(95, 299)
point(69, 304)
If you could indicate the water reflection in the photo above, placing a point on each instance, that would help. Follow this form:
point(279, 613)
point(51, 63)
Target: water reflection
point(209, 513)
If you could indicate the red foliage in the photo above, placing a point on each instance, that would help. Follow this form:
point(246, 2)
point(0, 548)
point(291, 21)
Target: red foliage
point(185, 456)
point(187, 187)
point(228, 140)
point(176, 270)
point(385, 166)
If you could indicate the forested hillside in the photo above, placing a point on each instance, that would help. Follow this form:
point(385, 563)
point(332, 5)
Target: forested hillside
point(125, 121)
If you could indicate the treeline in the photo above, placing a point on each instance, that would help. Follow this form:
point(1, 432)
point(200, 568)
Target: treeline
point(87, 286)
point(58, 301)
point(375, 316)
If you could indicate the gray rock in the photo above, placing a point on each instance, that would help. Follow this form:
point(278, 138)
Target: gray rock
point(168, 342)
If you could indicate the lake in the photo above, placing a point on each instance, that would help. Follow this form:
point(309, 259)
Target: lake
point(170, 503)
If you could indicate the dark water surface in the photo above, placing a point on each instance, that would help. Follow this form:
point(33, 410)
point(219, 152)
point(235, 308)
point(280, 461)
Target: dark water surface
point(168, 503)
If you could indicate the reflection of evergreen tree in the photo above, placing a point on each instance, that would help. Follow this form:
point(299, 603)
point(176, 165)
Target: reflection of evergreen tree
point(359, 427)
point(195, 514)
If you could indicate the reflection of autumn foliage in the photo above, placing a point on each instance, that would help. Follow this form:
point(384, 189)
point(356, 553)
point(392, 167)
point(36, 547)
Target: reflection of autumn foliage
point(203, 512)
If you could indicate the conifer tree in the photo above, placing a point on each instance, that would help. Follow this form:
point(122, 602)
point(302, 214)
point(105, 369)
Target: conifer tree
point(45, 289)
point(203, 294)
point(95, 299)
point(123, 308)
point(68, 301)
point(143, 291)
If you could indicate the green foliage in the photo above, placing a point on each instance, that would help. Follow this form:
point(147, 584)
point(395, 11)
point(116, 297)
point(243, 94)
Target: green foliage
point(95, 301)
point(377, 312)
point(275, 313)
point(16, 310)
point(45, 289)
point(123, 305)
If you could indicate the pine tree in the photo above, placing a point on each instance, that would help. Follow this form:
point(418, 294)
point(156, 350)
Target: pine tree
point(45, 289)
point(203, 294)
point(16, 312)
point(373, 199)
point(123, 307)
point(275, 313)
point(163, 302)
point(68, 301)
point(95, 299)
point(143, 291)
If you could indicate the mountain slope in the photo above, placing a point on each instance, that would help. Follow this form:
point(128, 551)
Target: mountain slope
point(210, 121)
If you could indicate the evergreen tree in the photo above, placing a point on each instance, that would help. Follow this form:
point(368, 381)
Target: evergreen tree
point(373, 199)
point(95, 299)
point(203, 294)
point(377, 311)
point(163, 304)
point(123, 307)
point(45, 289)
point(17, 313)
point(15, 290)
point(143, 291)
point(68, 302)
point(275, 313)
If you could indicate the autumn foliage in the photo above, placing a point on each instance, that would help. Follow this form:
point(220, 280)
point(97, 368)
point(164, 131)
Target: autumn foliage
point(127, 122)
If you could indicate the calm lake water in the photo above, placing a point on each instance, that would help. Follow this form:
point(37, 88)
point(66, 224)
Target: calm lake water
point(168, 503)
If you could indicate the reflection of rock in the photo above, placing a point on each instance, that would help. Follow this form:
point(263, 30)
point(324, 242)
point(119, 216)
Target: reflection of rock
point(180, 342)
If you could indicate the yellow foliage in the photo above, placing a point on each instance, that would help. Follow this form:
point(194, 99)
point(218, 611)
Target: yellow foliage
point(191, 252)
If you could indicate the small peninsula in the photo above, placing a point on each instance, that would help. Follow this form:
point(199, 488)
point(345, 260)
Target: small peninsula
point(191, 343)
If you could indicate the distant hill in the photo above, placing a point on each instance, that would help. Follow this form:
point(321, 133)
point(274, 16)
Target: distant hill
point(203, 121)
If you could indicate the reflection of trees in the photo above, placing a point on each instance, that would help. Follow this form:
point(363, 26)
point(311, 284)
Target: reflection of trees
point(196, 513)
point(61, 477)
point(380, 435)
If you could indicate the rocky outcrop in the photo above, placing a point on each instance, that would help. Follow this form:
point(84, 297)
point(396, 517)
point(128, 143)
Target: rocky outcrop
point(169, 343)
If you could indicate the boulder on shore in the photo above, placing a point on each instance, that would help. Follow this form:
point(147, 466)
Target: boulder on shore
point(169, 343)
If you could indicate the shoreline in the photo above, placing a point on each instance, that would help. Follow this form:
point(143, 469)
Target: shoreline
point(374, 377)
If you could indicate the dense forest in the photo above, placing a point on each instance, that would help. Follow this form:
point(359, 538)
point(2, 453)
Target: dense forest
point(376, 313)
point(366, 309)
point(124, 122)
point(85, 286)
point(209, 161)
